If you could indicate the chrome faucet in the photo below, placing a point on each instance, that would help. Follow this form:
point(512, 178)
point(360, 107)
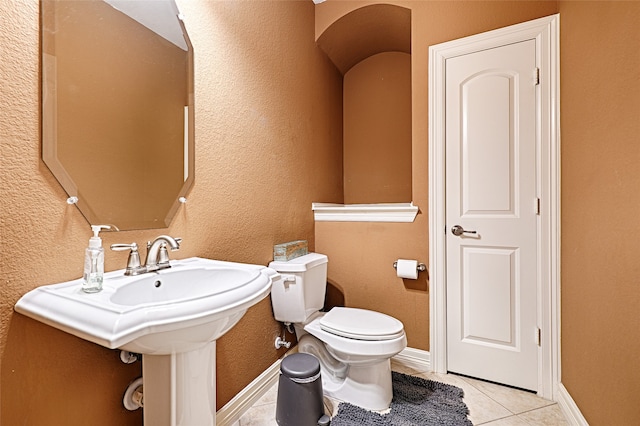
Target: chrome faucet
point(158, 248)
point(157, 255)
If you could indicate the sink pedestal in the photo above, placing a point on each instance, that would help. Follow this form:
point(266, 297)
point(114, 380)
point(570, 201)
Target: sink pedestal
point(180, 389)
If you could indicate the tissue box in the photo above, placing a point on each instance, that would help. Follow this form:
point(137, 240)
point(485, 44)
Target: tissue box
point(290, 250)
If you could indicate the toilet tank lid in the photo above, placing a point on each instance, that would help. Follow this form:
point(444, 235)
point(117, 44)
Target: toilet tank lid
point(299, 264)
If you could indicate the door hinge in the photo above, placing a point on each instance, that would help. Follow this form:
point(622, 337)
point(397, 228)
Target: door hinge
point(538, 337)
point(536, 76)
point(538, 208)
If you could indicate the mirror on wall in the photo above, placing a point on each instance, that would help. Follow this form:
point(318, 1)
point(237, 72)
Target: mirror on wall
point(117, 108)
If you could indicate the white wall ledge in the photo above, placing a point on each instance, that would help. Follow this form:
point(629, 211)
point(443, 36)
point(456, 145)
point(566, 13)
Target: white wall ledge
point(383, 212)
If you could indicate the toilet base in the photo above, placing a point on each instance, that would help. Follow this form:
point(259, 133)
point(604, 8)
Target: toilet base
point(367, 385)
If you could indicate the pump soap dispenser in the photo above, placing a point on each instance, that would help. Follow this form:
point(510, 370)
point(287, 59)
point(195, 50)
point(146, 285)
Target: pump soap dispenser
point(94, 262)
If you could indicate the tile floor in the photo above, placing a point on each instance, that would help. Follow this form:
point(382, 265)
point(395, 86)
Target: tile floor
point(489, 404)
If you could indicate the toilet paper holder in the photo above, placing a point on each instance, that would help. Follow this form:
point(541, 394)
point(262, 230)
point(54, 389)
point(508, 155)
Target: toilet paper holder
point(421, 266)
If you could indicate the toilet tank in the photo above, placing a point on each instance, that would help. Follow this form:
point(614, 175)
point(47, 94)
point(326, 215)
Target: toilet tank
point(301, 290)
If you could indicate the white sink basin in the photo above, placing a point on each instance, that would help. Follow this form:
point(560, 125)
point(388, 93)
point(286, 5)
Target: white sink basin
point(175, 310)
point(178, 285)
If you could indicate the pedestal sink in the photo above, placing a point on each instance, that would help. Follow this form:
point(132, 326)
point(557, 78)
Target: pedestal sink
point(172, 317)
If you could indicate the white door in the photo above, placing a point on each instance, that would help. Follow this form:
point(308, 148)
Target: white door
point(491, 270)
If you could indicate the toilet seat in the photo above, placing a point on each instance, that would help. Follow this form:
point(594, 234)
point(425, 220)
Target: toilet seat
point(346, 349)
point(361, 324)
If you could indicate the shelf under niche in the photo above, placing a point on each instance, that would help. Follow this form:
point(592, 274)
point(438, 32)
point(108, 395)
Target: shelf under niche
point(380, 212)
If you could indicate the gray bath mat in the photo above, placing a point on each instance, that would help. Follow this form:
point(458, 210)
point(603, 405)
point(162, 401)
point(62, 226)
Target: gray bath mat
point(416, 401)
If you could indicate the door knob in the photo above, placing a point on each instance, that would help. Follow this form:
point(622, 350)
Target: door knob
point(458, 230)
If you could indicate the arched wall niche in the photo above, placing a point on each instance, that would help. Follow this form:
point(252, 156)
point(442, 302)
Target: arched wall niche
point(371, 47)
point(365, 32)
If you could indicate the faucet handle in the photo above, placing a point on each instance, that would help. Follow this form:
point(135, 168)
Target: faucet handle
point(133, 262)
point(163, 255)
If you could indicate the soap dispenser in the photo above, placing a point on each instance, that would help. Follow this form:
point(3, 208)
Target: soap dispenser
point(94, 262)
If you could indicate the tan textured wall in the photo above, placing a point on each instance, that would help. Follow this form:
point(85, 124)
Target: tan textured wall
point(268, 143)
point(361, 255)
point(600, 96)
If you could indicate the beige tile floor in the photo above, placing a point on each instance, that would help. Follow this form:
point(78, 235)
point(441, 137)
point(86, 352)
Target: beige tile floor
point(489, 404)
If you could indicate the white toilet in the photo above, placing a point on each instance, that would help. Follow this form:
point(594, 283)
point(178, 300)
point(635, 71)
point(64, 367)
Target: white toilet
point(354, 346)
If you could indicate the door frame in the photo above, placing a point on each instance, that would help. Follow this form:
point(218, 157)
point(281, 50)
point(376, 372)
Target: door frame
point(546, 33)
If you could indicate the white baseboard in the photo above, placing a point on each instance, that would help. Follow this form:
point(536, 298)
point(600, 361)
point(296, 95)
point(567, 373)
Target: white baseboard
point(232, 411)
point(416, 359)
point(239, 404)
point(569, 408)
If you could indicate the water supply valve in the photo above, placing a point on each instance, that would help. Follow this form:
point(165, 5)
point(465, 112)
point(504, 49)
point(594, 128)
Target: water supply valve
point(280, 343)
point(134, 395)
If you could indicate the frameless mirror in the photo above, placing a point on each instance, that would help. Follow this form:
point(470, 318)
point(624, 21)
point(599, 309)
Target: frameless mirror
point(117, 108)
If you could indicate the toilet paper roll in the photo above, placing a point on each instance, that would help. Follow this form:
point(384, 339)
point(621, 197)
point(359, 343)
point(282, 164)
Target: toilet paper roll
point(407, 269)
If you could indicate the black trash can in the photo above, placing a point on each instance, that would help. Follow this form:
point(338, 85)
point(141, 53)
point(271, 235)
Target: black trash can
point(300, 400)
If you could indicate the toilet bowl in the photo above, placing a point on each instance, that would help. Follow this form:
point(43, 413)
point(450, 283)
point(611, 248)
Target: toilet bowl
point(355, 369)
point(354, 346)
